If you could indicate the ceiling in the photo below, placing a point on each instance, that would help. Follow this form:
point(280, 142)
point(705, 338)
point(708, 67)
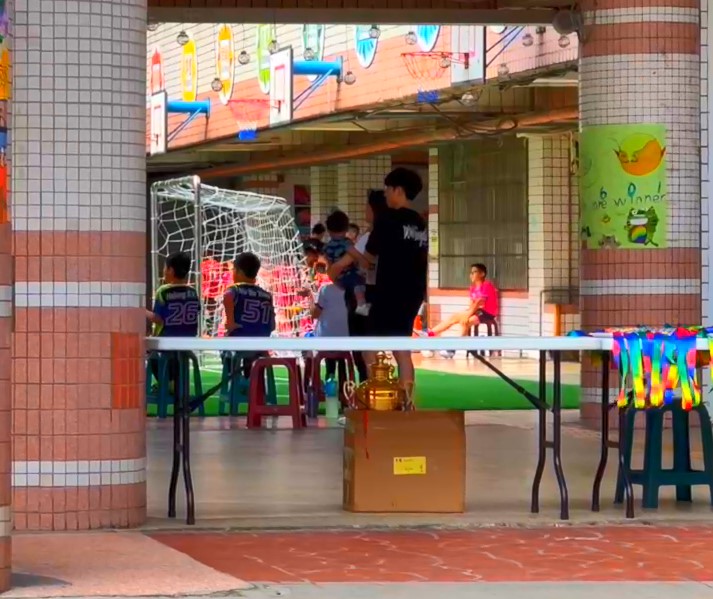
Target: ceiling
point(446, 12)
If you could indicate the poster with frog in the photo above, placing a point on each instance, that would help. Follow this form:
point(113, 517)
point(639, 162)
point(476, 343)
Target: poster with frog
point(623, 186)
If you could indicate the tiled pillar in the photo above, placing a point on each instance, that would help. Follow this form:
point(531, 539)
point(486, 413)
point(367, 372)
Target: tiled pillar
point(643, 49)
point(553, 248)
point(323, 190)
point(79, 445)
point(6, 286)
point(355, 179)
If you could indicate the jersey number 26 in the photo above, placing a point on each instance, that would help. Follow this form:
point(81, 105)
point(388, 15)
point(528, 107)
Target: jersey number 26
point(180, 314)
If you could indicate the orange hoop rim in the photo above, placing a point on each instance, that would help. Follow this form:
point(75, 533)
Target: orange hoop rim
point(429, 65)
point(248, 111)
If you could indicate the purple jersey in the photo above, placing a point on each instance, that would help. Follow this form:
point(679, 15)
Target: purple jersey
point(253, 311)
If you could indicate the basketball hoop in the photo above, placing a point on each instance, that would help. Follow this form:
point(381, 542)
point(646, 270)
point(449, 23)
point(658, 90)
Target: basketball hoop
point(248, 114)
point(429, 66)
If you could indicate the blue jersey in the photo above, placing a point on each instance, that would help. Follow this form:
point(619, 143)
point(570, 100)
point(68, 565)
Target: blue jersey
point(253, 311)
point(336, 248)
point(179, 308)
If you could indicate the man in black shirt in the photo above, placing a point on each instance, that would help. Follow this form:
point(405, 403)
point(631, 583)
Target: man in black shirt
point(398, 245)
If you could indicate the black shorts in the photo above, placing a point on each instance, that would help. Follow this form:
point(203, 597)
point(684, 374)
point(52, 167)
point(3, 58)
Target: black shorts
point(393, 319)
point(484, 316)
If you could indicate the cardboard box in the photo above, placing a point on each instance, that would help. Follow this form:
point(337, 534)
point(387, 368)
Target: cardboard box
point(404, 461)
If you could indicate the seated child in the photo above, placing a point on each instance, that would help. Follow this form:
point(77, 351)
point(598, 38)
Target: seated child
point(351, 278)
point(176, 308)
point(249, 310)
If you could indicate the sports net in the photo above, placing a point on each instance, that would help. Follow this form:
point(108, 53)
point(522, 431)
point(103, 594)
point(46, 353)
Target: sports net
point(215, 225)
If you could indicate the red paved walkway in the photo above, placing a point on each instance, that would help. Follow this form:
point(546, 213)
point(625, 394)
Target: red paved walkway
point(638, 554)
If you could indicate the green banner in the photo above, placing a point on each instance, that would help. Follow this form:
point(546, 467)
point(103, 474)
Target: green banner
point(622, 186)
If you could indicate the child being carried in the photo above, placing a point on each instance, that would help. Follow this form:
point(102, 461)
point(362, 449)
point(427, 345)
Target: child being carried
point(338, 245)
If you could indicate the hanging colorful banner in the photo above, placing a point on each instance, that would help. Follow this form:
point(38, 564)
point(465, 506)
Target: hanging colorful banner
point(189, 71)
point(313, 44)
point(225, 62)
point(157, 83)
point(427, 36)
point(266, 34)
point(623, 186)
point(364, 45)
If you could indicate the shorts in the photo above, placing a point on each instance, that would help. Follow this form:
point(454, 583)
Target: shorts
point(393, 319)
point(352, 279)
point(484, 316)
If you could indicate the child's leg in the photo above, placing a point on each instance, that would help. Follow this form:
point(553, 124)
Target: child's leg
point(360, 294)
point(448, 323)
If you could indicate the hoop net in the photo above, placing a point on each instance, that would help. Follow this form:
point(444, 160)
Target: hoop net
point(248, 114)
point(427, 67)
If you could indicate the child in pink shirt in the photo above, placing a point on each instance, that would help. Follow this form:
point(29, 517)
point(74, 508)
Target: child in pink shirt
point(484, 305)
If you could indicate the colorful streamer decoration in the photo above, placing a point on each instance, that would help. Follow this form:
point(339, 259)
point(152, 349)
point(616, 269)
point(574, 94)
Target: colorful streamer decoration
point(655, 363)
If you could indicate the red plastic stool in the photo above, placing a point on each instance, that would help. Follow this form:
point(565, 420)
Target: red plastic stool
point(258, 407)
point(345, 371)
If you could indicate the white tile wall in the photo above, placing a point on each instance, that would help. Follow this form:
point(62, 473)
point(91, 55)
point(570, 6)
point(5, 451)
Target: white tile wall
point(79, 121)
point(323, 189)
point(355, 179)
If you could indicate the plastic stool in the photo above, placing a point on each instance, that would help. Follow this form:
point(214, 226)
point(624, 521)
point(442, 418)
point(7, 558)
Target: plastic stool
point(163, 397)
point(257, 405)
point(653, 475)
point(492, 329)
point(234, 391)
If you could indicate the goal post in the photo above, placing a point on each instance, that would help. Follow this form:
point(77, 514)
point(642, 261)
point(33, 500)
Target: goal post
point(214, 225)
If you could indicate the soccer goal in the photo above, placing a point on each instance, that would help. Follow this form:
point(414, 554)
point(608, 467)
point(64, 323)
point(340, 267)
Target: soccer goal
point(214, 225)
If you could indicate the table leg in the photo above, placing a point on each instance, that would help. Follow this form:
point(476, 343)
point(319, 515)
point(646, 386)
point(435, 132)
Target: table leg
point(185, 415)
point(176, 466)
point(623, 467)
point(541, 436)
point(557, 434)
point(604, 446)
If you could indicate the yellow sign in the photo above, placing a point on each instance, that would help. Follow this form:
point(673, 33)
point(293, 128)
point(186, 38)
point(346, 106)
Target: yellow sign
point(189, 72)
point(5, 74)
point(623, 186)
point(409, 466)
point(225, 62)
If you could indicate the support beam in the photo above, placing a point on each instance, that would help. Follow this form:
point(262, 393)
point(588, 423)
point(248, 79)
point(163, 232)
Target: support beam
point(348, 16)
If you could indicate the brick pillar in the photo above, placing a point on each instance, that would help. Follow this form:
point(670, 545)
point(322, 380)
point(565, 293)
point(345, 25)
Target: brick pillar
point(6, 288)
point(553, 248)
point(355, 179)
point(644, 49)
point(79, 231)
point(323, 189)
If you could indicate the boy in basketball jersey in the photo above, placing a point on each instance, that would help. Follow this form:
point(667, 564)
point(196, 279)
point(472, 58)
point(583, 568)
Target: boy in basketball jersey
point(176, 308)
point(249, 309)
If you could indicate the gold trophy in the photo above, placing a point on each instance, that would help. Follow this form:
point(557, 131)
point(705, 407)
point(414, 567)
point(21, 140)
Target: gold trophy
point(382, 392)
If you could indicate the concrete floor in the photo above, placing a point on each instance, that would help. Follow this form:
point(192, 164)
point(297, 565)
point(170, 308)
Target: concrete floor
point(283, 478)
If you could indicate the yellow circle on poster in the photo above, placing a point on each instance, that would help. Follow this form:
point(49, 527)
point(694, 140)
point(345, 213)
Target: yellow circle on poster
point(189, 72)
point(5, 74)
point(225, 62)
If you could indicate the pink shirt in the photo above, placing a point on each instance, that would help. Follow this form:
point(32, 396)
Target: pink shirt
point(486, 292)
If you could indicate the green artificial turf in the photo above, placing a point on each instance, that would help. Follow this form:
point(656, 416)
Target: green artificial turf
point(436, 391)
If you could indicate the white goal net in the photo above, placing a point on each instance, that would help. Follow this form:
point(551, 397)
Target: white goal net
point(214, 226)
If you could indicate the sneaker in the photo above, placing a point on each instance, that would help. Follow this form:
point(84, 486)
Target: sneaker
point(363, 309)
point(449, 355)
point(341, 421)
